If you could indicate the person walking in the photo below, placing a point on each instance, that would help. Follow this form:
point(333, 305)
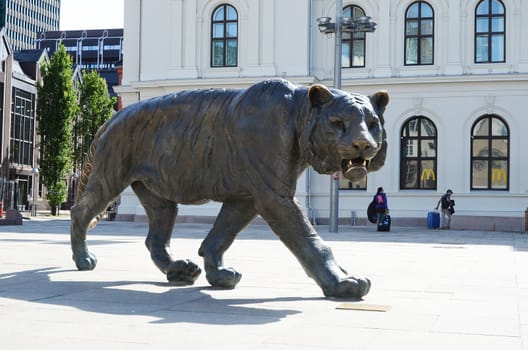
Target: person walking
point(381, 204)
point(447, 204)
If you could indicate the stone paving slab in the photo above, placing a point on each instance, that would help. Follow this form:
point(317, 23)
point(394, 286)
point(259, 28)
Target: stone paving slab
point(443, 290)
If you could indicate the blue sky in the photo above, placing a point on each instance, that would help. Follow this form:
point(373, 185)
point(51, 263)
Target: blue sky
point(91, 14)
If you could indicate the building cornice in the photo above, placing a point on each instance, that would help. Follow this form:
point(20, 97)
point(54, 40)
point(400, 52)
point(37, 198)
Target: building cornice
point(176, 84)
point(307, 80)
point(444, 79)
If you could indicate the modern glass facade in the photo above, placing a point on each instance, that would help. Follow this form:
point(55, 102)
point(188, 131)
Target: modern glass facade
point(23, 19)
point(91, 49)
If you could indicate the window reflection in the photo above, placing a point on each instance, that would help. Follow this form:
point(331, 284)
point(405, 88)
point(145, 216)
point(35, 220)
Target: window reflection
point(418, 163)
point(490, 154)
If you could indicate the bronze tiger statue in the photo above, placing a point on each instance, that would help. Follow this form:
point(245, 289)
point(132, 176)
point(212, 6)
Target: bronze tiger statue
point(242, 147)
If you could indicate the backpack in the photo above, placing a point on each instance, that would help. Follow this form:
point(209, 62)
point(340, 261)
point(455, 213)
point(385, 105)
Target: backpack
point(445, 202)
point(379, 201)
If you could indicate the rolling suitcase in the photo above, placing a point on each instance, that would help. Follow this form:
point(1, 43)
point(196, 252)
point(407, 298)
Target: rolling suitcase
point(384, 223)
point(433, 220)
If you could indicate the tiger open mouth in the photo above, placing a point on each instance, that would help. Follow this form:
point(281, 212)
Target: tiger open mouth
point(354, 169)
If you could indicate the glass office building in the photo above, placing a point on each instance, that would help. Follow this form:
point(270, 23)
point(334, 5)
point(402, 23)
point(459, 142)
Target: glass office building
point(23, 19)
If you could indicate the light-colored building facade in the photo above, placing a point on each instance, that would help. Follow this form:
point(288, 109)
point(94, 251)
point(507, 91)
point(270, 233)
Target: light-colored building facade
point(456, 71)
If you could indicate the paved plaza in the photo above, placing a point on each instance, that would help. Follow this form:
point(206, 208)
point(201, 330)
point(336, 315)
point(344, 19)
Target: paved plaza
point(431, 290)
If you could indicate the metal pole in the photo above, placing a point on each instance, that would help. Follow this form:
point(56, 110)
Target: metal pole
point(34, 197)
point(334, 179)
point(35, 173)
point(338, 48)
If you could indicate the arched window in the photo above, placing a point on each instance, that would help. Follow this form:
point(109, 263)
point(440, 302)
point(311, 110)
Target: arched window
point(419, 34)
point(490, 154)
point(224, 37)
point(490, 35)
point(353, 44)
point(418, 154)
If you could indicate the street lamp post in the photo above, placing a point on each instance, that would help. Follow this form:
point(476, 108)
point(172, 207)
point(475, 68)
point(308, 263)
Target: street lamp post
point(75, 176)
point(341, 25)
point(35, 173)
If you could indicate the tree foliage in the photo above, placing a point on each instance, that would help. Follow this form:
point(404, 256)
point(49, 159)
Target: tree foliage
point(57, 107)
point(96, 107)
point(57, 194)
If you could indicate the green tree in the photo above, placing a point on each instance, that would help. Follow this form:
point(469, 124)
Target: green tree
point(96, 107)
point(57, 107)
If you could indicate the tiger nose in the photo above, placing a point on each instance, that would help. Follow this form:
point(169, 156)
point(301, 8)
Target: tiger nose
point(364, 147)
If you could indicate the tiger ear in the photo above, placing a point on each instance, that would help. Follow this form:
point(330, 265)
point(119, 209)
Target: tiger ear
point(319, 95)
point(379, 101)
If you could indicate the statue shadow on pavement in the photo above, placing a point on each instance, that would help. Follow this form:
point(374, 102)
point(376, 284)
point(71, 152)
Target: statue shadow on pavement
point(165, 302)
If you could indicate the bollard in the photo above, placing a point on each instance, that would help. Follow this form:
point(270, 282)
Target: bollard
point(353, 218)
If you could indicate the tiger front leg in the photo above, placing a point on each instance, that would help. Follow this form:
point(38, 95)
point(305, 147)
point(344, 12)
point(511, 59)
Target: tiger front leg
point(295, 231)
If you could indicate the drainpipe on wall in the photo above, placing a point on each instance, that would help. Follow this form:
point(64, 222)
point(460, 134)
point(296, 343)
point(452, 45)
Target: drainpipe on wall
point(311, 211)
point(140, 24)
